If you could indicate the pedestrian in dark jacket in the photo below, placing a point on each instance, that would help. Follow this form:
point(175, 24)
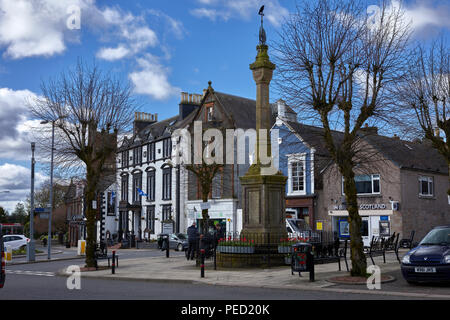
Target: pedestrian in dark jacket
point(218, 234)
point(192, 233)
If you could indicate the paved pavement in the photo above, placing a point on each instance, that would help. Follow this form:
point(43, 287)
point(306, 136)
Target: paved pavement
point(177, 269)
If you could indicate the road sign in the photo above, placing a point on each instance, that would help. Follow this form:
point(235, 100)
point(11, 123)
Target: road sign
point(41, 210)
point(44, 215)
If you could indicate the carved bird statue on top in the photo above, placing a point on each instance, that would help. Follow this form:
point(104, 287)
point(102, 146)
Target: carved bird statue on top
point(261, 10)
point(262, 32)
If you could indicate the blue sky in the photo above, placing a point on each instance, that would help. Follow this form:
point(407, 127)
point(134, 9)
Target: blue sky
point(162, 47)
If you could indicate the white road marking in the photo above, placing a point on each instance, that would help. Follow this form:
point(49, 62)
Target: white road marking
point(32, 273)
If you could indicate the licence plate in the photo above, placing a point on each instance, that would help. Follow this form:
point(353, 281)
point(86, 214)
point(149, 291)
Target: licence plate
point(424, 269)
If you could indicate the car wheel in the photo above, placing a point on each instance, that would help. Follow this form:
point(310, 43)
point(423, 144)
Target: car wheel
point(180, 247)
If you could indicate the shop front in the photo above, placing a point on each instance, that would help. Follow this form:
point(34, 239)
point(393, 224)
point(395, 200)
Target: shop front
point(376, 221)
point(221, 212)
point(301, 208)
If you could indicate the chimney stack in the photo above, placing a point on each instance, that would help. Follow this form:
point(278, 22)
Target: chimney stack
point(143, 119)
point(189, 102)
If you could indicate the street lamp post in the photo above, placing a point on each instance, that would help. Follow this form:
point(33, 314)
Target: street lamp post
point(30, 247)
point(51, 194)
point(49, 242)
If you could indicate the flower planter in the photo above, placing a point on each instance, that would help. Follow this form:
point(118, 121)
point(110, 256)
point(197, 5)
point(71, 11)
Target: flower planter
point(235, 249)
point(284, 249)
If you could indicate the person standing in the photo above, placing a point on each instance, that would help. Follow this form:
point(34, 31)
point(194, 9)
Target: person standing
point(218, 234)
point(192, 233)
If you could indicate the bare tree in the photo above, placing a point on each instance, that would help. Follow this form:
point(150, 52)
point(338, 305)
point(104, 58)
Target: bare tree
point(89, 109)
point(424, 93)
point(334, 66)
point(206, 171)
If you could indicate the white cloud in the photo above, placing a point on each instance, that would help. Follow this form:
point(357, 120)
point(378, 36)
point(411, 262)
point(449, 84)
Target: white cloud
point(152, 79)
point(211, 14)
point(15, 126)
point(421, 15)
point(17, 180)
point(111, 54)
point(36, 28)
point(243, 9)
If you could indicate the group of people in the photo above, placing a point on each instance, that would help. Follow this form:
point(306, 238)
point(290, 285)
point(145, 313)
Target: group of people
point(201, 241)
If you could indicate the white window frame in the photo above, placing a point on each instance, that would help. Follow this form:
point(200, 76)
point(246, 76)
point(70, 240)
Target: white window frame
point(374, 176)
point(430, 182)
point(299, 157)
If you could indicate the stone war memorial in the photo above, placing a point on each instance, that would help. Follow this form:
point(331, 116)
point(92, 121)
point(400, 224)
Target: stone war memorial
point(263, 187)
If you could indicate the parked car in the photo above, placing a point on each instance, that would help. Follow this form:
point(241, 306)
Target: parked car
point(15, 241)
point(177, 241)
point(430, 260)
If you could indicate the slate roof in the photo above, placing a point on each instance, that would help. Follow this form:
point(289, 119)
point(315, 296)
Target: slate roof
point(410, 155)
point(154, 131)
point(404, 154)
point(242, 110)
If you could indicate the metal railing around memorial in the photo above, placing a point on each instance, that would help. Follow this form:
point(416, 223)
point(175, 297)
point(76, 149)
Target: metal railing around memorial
point(269, 249)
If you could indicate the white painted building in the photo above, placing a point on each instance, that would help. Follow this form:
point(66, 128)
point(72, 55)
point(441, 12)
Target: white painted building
point(150, 187)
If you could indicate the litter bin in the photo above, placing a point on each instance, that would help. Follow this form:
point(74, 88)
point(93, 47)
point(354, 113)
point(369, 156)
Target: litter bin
point(302, 259)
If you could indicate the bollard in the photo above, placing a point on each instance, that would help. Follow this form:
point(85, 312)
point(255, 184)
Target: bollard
point(311, 266)
point(202, 263)
point(215, 259)
point(167, 247)
point(113, 266)
point(8, 254)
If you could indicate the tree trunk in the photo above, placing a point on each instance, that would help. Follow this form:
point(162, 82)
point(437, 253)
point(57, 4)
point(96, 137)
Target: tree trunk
point(205, 215)
point(90, 219)
point(358, 258)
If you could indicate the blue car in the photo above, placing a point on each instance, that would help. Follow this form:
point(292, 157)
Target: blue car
point(430, 260)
